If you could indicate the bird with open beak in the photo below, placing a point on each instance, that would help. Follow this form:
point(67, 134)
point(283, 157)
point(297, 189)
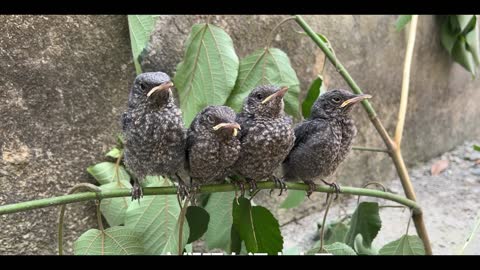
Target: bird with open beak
point(266, 136)
point(323, 140)
point(212, 145)
point(154, 132)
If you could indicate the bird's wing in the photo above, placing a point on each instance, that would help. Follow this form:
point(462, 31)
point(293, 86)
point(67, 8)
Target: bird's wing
point(308, 127)
point(125, 121)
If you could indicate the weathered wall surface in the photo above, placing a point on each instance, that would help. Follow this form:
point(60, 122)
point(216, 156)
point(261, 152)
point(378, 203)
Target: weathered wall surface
point(64, 82)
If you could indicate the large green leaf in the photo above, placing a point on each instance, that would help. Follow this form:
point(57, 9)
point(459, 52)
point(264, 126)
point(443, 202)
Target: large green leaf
point(402, 21)
point(140, 26)
point(156, 218)
point(473, 43)
point(336, 232)
point(406, 245)
point(114, 209)
point(316, 88)
point(219, 207)
point(293, 199)
point(198, 220)
point(105, 173)
point(336, 248)
point(112, 241)
point(466, 22)
point(365, 221)
point(266, 66)
point(448, 36)
point(207, 74)
point(257, 227)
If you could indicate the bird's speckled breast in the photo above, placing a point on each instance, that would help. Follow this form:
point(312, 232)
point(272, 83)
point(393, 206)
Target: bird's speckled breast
point(265, 146)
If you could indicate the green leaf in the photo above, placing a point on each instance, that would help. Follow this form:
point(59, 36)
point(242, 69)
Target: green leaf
point(463, 56)
point(112, 241)
point(266, 66)
point(207, 74)
point(291, 251)
point(448, 36)
point(219, 207)
point(294, 199)
point(466, 22)
point(105, 173)
point(316, 88)
point(140, 27)
point(114, 153)
point(365, 221)
point(114, 209)
point(476, 147)
point(406, 245)
point(361, 249)
point(402, 21)
point(334, 248)
point(336, 232)
point(235, 242)
point(198, 220)
point(156, 219)
point(473, 43)
point(257, 227)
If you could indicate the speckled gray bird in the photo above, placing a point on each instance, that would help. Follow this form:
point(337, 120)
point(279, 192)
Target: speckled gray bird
point(266, 136)
point(153, 129)
point(323, 140)
point(212, 145)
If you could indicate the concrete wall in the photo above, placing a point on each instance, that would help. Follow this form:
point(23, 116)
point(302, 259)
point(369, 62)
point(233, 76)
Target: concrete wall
point(64, 82)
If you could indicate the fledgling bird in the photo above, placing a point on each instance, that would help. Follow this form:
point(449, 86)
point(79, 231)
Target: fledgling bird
point(323, 140)
point(266, 136)
point(153, 129)
point(212, 145)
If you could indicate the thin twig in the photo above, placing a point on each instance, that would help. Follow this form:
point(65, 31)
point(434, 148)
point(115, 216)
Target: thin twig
point(61, 213)
point(406, 81)
point(270, 36)
point(371, 149)
point(330, 199)
point(472, 234)
point(181, 221)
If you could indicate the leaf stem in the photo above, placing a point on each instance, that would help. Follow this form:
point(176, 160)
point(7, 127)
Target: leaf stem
point(330, 199)
point(371, 149)
point(270, 36)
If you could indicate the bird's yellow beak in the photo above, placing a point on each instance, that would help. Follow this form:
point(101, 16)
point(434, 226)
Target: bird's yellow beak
point(355, 100)
point(234, 126)
point(162, 86)
point(279, 93)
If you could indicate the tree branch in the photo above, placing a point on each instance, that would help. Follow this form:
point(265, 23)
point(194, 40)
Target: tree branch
point(391, 146)
point(104, 194)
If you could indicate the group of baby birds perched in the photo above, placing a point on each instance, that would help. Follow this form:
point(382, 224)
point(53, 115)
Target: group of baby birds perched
point(219, 144)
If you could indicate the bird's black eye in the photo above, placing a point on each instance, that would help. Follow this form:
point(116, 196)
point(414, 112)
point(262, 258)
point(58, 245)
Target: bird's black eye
point(336, 100)
point(210, 119)
point(259, 96)
point(143, 86)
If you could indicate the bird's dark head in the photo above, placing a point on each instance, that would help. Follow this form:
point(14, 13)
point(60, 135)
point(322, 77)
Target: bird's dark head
point(336, 102)
point(265, 101)
point(219, 120)
point(151, 90)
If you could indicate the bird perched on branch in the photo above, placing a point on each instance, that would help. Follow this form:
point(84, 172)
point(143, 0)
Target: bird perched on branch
point(323, 140)
point(266, 136)
point(212, 145)
point(153, 129)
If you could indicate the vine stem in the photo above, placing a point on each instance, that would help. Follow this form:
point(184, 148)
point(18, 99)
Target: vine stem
point(61, 213)
point(395, 153)
point(123, 192)
point(406, 80)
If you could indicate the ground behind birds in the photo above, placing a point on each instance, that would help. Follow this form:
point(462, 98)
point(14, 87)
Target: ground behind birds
point(450, 202)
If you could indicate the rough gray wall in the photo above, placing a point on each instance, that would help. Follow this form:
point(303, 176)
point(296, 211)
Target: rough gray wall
point(63, 84)
point(64, 81)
